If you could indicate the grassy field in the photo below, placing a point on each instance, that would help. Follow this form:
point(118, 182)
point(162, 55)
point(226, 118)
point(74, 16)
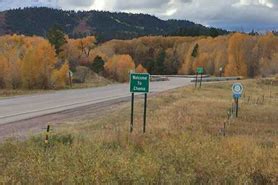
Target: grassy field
point(184, 143)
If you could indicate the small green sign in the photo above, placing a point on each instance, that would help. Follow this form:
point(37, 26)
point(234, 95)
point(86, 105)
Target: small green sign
point(200, 70)
point(139, 82)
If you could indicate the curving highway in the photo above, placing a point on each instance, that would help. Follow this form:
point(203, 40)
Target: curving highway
point(26, 107)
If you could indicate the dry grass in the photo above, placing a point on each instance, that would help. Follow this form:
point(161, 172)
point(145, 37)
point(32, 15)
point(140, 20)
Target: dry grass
point(184, 143)
point(93, 80)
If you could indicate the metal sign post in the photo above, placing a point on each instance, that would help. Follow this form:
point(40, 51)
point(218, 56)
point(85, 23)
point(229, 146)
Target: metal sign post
point(236, 107)
point(132, 110)
point(70, 78)
point(145, 112)
point(237, 90)
point(47, 134)
point(201, 80)
point(196, 81)
point(46, 141)
point(221, 71)
point(139, 83)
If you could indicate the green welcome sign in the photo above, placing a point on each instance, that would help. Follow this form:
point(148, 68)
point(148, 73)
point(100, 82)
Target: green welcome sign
point(200, 70)
point(139, 82)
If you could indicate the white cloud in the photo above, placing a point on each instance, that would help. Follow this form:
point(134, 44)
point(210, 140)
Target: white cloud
point(266, 3)
point(75, 4)
point(98, 5)
point(170, 12)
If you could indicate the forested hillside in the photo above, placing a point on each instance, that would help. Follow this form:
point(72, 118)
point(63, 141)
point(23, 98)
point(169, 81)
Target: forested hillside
point(104, 25)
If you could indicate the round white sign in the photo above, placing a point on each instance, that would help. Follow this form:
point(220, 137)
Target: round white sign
point(237, 88)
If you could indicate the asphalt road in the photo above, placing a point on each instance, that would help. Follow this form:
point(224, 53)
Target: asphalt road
point(26, 107)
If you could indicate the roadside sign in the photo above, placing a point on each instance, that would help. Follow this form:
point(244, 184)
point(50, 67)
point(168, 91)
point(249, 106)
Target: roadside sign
point(237, 96)
point(200, 70)
point(237, 89)
point(139, 82)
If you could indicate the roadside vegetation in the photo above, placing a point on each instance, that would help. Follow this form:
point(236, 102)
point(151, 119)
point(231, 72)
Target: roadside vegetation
point(91, 80)
point(184, 143)
point(238, 54)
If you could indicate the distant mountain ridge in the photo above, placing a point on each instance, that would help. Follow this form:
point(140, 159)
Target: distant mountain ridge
point(105, 25)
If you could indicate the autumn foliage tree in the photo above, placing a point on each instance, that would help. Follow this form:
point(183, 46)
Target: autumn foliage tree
point(2, 70)
point(78, 51)
point(119, 66)
point(236, 56)
point(59, 76)
point(38, 65)
point(27, 62)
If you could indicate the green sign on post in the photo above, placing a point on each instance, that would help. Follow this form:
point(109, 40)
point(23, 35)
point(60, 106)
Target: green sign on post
point(200, 70)
point(139, 83)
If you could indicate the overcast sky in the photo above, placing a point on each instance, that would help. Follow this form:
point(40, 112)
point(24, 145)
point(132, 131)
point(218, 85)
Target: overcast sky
point(242, 15)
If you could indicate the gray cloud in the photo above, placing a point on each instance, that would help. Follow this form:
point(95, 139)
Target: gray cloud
point(75, 4)
point(223, 13)
point(231, 14)
point(140, 4)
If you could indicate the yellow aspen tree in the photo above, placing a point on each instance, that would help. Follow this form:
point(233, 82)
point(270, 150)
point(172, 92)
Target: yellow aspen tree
point(38, 65)
point(12, 71)
point(236, 59)
point(119, 66)
point(59, 77)
point(3, 63)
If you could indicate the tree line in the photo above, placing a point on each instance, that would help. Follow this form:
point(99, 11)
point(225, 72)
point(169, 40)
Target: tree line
point(238, 53)
point(34, 62)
